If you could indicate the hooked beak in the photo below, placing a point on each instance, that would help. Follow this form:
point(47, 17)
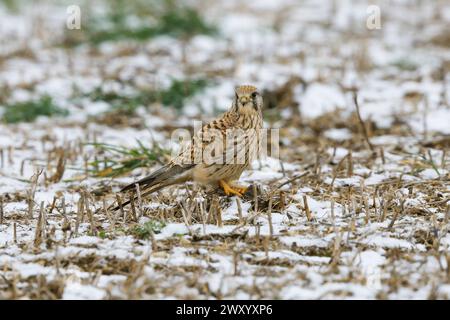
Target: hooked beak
point(244, 100)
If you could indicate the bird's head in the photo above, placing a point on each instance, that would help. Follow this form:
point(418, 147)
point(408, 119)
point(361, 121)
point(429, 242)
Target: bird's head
point(247, 100)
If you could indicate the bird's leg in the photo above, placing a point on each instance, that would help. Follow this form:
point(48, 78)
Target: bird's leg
point(228, 189)
point(238, 188)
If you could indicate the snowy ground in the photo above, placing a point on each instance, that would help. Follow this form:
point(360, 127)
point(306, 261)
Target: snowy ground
point(334, 217)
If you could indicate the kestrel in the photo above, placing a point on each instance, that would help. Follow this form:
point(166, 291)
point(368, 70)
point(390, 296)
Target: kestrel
point(219, 152)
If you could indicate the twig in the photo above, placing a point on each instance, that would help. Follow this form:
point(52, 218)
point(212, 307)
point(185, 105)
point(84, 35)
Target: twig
point(366, 209)
point(184, 213)
point(10, 155)
point(31, 193)
point(246, 221)
point(425, 116)
point(269, 216)
point(383, 159)
point(394, 218)
point(257, 233)
point(219, 216)
point(15, 232)
point(336, 171)
point(80, 213)
point(282, 203)
point(349, 164)
point(236, 262)
point(133, 208)
point(283, 170)
point(361, 122)
point(63, 204)
point(444, 152)
point(50, 211)
point(306, 207)
point(255, 197)
point(139, 198)
point(90, 214)
point(202, 214)
point(119, 204)
point(211, 208)
point(1, 210)
point(266, 246)
point(374, 196)
point(110, 217)
point(292, 179)
point(336, 250)
point(238, 203)
point(38, 233)
point(433, 164)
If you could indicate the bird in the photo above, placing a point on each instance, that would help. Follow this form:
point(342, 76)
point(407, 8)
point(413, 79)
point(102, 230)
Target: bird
point(218, 153)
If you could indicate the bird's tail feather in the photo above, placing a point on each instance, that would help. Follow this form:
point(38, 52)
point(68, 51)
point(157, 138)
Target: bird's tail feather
point(163, 177)
point(156, 188)
point(147, 181)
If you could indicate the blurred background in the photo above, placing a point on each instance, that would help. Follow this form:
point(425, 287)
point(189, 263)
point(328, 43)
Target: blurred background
point(156, 65)
point(91, 91)
point(111, 60)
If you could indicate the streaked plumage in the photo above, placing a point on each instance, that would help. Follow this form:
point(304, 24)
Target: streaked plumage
point(206, 159)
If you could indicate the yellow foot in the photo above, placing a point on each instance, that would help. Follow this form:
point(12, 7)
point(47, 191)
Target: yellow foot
point(229, 190)
point(240, 189)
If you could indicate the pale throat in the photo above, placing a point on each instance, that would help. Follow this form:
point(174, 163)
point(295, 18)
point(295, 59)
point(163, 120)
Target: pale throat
point(248, 109)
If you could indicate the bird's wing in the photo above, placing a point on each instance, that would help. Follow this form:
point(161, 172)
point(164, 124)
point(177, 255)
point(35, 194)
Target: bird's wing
point(207, 140)
point(232, 143)
point(209, 143)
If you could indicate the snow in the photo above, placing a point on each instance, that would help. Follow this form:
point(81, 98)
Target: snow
point(435, 121)
point(371, 259)
point(78, 291)
point(30, 269)
point(97, 107)
point(388, 242)
point(431, 173)
point(320, 99)
point(338, 134)
point(231, 212)
point(304, 242)
point(266, 43)
point(85, 240)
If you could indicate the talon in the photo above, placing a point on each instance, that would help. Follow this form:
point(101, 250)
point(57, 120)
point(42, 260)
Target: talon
point(229, 190)
point(241, 190)
point(238, 188)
